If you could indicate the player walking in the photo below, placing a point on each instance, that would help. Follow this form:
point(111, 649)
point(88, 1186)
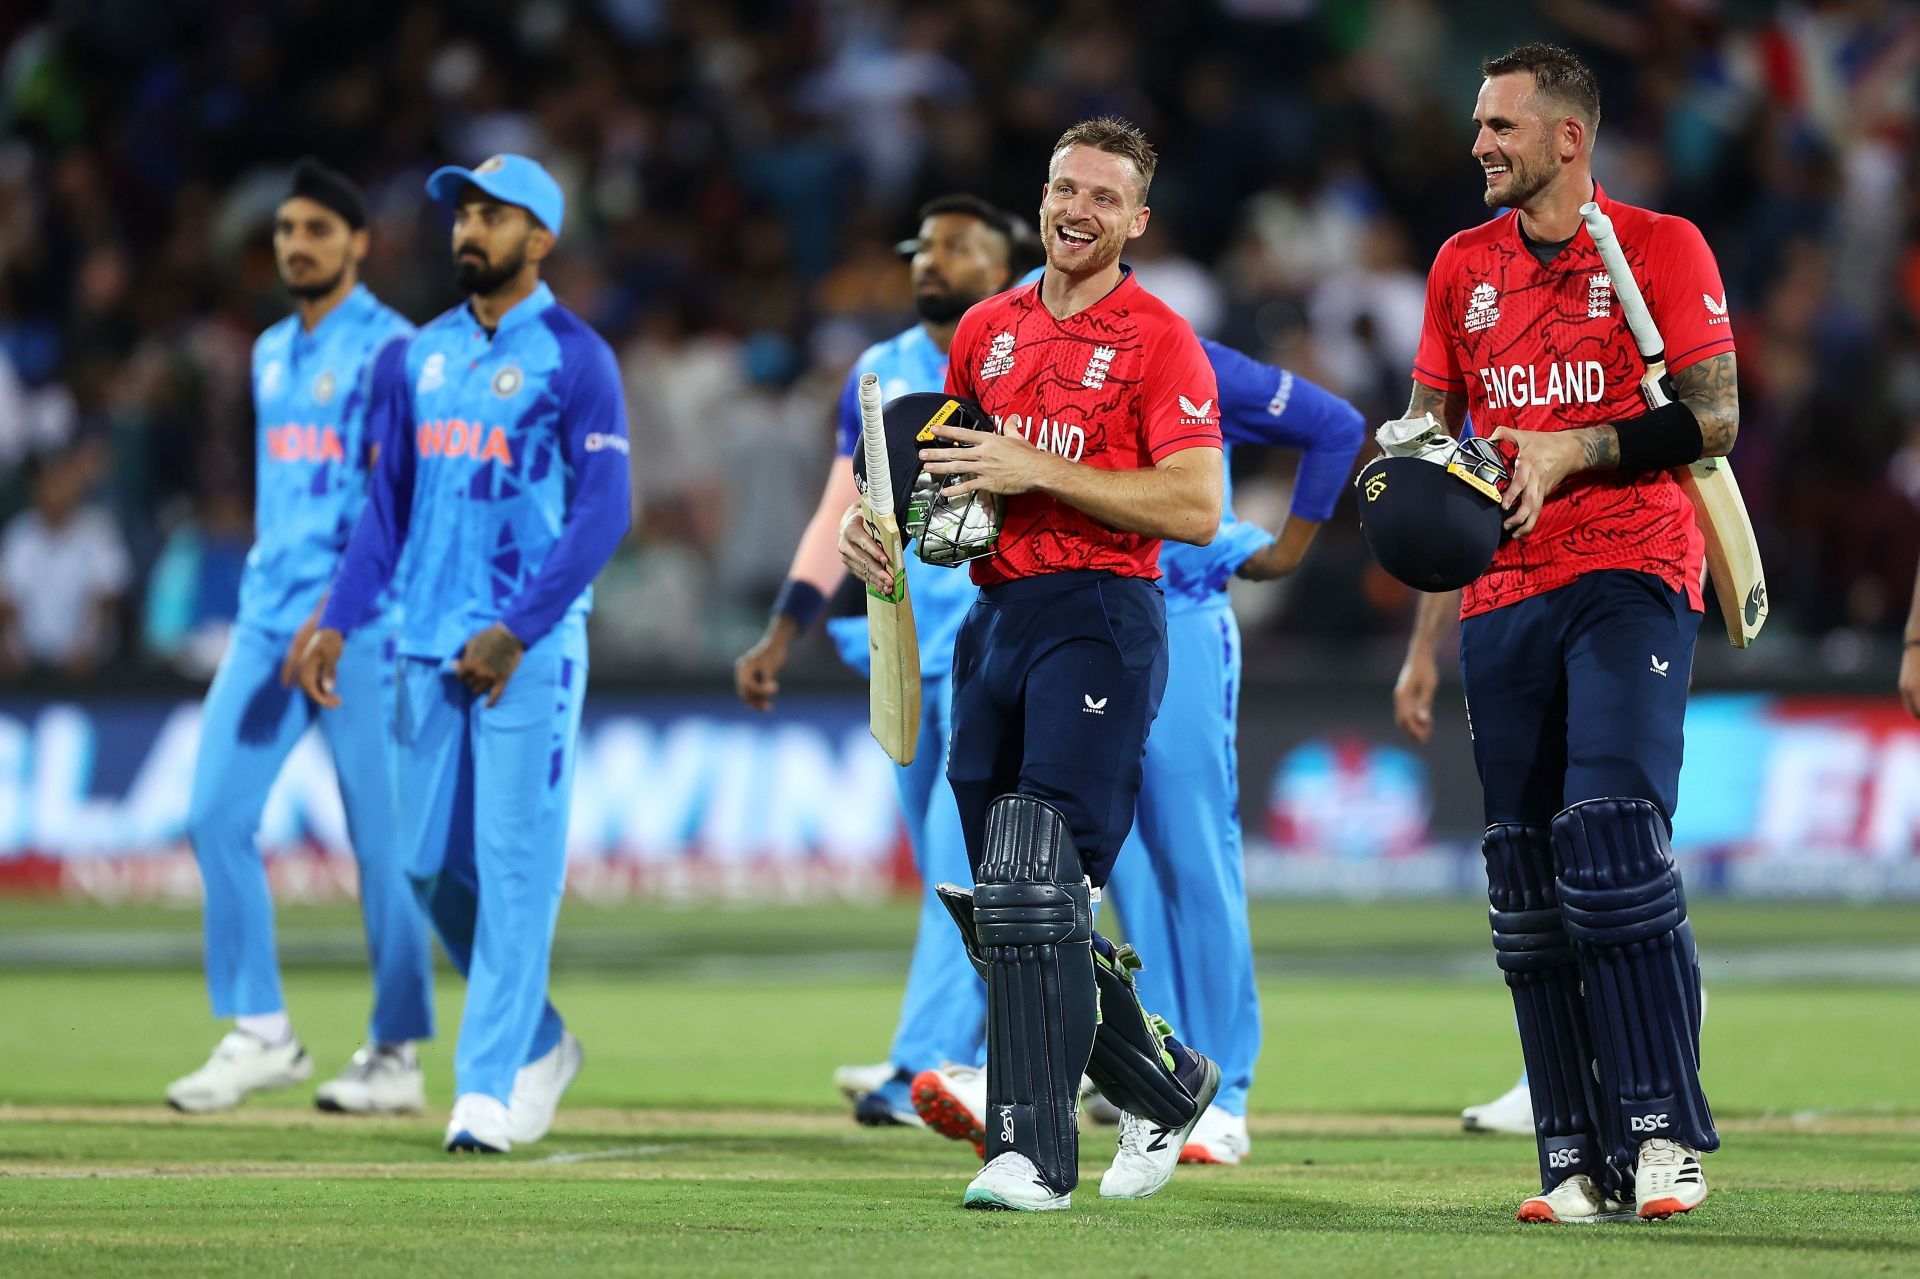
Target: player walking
point(504, 481)
point(1109, 443)
point(1179, 883)
point(1577, 642)
point(310, 374)
point(965, 252)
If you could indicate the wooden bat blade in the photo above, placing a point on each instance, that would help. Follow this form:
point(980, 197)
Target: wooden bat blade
point(1733, 556)
point(893, 645)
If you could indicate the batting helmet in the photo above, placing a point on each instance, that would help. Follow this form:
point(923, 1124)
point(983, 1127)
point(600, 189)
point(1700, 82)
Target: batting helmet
point(1435, 524)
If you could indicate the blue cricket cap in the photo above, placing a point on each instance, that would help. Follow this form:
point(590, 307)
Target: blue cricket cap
point(511, 179)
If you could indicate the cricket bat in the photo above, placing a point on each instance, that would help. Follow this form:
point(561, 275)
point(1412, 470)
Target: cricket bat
point(1733, 557)
point(893, 688)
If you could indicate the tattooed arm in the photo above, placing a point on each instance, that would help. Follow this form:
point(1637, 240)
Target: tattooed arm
point(1711, 389)
point(1450, 407)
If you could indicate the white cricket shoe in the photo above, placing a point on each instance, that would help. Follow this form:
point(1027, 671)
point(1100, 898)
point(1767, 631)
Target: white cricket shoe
point(855, 1082)
point(537, 1087)
point(1219, 1138)
point(1667, 1179)
point(1149, 1153)
point(378, 1081)
point(1576, 1200)
point(479, 1125)
point(1012, 1182)
point(241, 1063)
point(1510, 1112)
point(952, 1101)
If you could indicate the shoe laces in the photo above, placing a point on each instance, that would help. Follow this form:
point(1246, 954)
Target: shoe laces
point(1137, 1133)
point(1663, 1164)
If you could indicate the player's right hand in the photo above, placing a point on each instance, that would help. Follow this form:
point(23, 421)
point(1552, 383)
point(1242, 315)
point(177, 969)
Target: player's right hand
point(1413, 696)
point(862, 553)
point(1910, 679)
point(290, 664)
point(756, 672)
point(318, 663)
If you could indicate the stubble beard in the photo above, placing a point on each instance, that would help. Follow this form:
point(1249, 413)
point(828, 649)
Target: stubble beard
point(1523, 183)
point(311, 292)
point(1103, 254)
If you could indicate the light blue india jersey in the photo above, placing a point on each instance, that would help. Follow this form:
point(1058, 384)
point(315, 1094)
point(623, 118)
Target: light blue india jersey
point(506, 478)
point(1264, 405)
point(906, 363)
point(310, 474)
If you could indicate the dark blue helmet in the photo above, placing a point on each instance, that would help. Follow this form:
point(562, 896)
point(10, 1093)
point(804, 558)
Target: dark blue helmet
point(1435, 524)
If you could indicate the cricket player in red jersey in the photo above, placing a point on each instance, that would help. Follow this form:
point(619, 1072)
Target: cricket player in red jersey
point(1577, 642)
point(1108, 441)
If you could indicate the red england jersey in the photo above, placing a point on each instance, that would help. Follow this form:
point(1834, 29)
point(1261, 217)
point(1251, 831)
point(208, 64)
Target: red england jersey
point(1545, 348)
point(1119, 386)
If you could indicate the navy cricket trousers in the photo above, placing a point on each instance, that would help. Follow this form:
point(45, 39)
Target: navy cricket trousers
point(1579, 693)
point(1056, 680)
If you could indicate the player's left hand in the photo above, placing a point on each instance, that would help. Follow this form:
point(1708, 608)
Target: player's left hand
point(1910, 679)
point(1542, 459)
point(994, 463)
point(488, 661)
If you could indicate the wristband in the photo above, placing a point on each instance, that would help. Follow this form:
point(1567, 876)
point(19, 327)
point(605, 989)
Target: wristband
point(802, 601)
point(1661, 440)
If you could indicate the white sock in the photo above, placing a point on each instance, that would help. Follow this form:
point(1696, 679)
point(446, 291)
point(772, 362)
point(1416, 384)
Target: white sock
point(272, 1029)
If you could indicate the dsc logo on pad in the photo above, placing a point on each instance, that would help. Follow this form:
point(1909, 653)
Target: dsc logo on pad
point(1647, 1123)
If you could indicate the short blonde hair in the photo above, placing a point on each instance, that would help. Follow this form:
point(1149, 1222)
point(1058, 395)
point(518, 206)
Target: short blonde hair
point(1116, 137)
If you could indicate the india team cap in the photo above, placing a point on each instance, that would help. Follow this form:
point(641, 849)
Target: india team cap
point(1435, 524)
point(511, 179)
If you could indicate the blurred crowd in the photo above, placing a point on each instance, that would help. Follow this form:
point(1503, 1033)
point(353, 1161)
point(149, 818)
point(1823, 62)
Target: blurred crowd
point(738, 173)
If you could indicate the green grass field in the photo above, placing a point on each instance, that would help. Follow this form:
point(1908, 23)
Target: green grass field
point(704, 1137)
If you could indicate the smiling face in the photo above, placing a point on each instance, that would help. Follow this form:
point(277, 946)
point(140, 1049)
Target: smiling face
point(1090, 208)
point(1519, 139)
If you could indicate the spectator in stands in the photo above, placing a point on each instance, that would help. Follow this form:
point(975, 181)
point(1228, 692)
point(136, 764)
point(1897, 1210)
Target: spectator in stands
point(63, 571)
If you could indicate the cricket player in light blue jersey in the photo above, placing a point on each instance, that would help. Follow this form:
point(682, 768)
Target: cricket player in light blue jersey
point(504, 478)
point(1179, 884)
point(966, 250)
point(310, 375)
point(1181, 893)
